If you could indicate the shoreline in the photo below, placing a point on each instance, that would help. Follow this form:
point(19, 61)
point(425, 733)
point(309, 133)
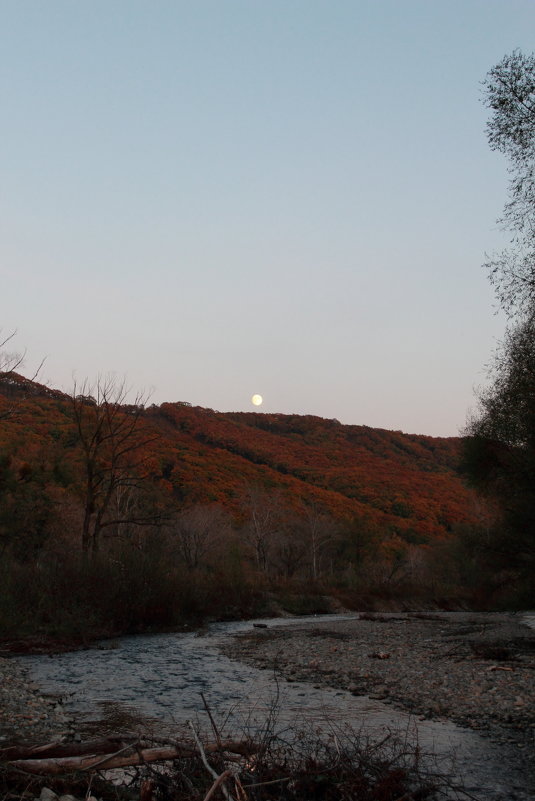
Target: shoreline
point(474, 669)
point(27, 714)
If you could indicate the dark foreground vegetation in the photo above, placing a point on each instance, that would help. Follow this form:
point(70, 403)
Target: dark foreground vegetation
point(271, 764)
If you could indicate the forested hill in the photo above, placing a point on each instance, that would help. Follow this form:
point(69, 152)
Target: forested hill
point(401, 485)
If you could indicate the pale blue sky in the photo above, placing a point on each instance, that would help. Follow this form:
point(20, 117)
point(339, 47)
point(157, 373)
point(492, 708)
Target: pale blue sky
point(290, 197)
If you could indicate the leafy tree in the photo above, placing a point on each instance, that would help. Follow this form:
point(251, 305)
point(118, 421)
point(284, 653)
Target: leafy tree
point(500, 437)
point(507, 406)
point(500, 449)
point(510, 95)
point(25, 509)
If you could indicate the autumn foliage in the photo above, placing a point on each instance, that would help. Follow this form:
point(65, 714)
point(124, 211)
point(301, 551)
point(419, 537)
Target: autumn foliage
point(219, 499)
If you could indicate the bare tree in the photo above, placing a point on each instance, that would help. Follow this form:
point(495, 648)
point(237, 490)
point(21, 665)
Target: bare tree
point(131, 510)
point(10, 362)
point(264, 511)
point(320, 530)
point(198, 530)
point(289, 548)
point(113, 444)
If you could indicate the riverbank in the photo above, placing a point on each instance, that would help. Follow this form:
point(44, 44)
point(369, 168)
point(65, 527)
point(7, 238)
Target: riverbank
point(475, 670)
point(26, 715)
point(160, 678)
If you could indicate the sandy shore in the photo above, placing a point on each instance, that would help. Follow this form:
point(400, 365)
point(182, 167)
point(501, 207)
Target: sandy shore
point(477, 670)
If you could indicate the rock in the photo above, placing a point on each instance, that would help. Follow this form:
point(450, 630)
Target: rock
point(48, 795)
point(379, 693)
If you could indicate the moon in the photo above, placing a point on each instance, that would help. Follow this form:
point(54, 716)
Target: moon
point(256, 400)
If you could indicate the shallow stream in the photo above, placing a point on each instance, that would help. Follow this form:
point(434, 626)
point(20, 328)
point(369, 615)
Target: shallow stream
point(160, 678)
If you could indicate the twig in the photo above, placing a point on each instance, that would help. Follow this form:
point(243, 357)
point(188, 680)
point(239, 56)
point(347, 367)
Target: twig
point(220, 779)
point(272, 781)
point(36, 373)
point(337, 745)
point(240, 792)
point(206, 764)
point(212, 721)
point(376, 746)
point(88, 791)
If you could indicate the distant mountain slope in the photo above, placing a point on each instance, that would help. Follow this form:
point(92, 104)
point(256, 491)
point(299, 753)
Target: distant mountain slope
point(406, 485)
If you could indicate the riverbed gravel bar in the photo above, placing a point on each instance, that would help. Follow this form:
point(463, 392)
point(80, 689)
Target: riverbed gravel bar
point(26, 715)
point(477, 670)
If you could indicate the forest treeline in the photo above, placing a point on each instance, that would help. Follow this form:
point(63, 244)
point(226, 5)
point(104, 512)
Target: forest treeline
point(122, 516)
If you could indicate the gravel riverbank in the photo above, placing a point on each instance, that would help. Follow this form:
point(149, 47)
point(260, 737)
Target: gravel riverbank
point(25, 714)
point(477, 670)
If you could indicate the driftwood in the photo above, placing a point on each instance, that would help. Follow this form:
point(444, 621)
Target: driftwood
point(105, 746)
point(346, 766)
point(104, 760)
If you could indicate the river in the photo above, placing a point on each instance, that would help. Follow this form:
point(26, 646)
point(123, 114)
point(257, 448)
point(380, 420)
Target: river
point(157, 680)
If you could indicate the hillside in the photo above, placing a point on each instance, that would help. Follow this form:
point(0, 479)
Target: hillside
point(400, 484)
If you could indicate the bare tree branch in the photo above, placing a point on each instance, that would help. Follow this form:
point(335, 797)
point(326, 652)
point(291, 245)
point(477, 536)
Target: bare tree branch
point(114, 446)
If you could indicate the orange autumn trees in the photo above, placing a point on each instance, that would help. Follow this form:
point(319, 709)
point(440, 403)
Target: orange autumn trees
point(300, 494)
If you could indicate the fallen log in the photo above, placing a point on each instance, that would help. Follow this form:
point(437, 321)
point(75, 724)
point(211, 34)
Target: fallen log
point(61, 765)
point(105, 746)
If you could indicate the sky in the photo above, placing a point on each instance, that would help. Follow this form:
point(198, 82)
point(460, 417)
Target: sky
point(217, 198)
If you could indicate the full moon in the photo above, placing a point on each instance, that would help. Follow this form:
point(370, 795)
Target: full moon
point(256, 400)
